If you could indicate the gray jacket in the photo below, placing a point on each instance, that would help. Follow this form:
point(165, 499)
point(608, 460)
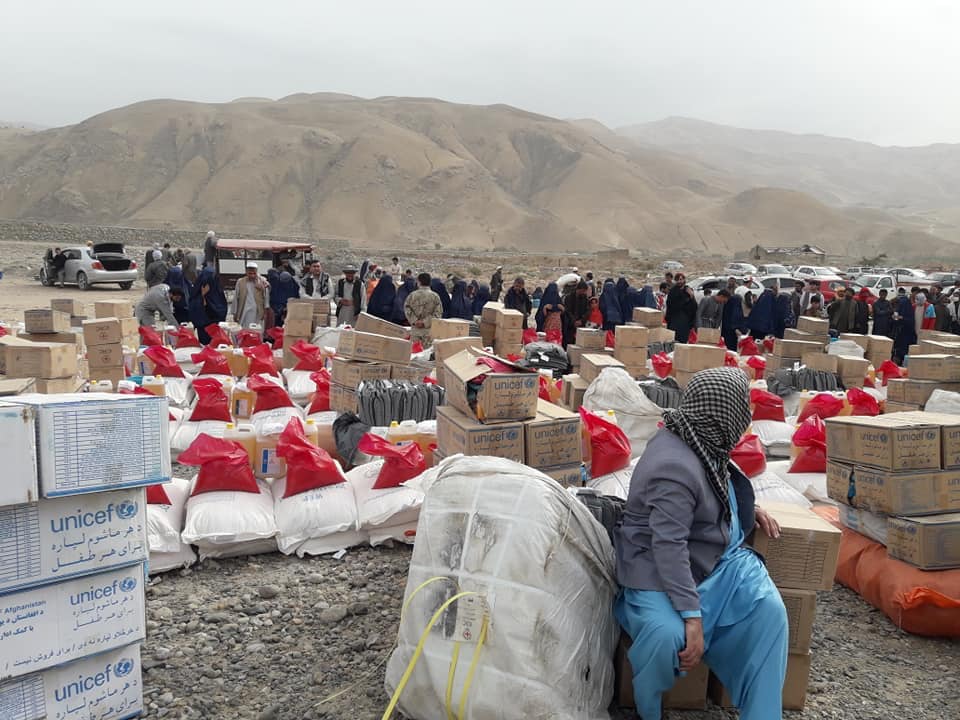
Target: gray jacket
point(673, 531)
point(156, 299)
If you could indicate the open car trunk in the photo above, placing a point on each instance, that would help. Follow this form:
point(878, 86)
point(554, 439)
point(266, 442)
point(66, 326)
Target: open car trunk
point(111, 256)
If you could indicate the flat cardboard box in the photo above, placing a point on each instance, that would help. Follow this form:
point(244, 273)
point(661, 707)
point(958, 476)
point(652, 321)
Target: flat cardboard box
point(936, 335)
point(69, 338)
point(552, 437)
point(929, 543)
point(631, 357)
point(87, 442)
point(688, 693)
point(57, 386)
point(794, 334)
point(949, 437)
point(821, 361)
point(661, 335)
point(502, 396)
point(648, 317)
point(452, 328)
point(572, 391)
point(66, 537)
point(632, 336)
point(109, 331)
point(463, 434)
point(801, 610)
point(891, 406)
point(693, 358)
point(814, 326)
point(861, 340)
point(566, 475)
point(70, 306)
point(592, 339)
point(343, 399)
point(489, 312)
point(448, 347)
point(351, 373)
point(708, 336)
point(112, 309)
point(16, 386)
point(410, 373)
point(892, 441)
point(488, 331)
point(368, 323)
point(108, 686)
point(60, 623)
point(114, 375)
point(591, 365)
point(936, 347)
point(917, 392)
point(105, 356)
point(942, 368)
point(42, 360)
point(795, 348)
point(794, 684)
point(18, 447)
point(804, 557)
point(918, 492)
point(509, 320)
point(45, 321)
point(378, 348)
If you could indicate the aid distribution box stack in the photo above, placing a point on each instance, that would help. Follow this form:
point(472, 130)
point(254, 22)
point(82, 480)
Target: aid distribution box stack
point(73, 550)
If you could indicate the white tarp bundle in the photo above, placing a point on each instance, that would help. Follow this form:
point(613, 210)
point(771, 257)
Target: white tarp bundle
point(544, 568)
point(637, 415)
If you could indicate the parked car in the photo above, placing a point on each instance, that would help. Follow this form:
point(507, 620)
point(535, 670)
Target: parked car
point(785, 280)
point(715, 283)
point(904, 275)
point(99, 264)
point(944, 279)
point(815, 272)
point(772, 270)
point(875, 283)
point(737, 269)
point(671, 265)
point(852, 273)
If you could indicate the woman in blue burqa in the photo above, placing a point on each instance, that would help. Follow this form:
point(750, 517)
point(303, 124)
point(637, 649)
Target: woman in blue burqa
point(610, 305)
point(399, 316)
point(440, 289)
point(176, 279)
point(481, 298)
point(692, 590)
point(461, 306)
point(381, 302)
point(904, 326)
point(208, 303)
point(282, 292)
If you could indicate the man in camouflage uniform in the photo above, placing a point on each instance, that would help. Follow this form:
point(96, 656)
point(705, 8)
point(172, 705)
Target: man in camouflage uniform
point(421, 307)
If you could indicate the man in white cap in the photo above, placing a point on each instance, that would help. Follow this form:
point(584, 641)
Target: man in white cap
point(251, 298)
point(210, 249)
point(349, 296)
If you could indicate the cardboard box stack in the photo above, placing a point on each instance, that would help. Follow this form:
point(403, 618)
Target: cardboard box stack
point(361, 357)
point(446, 329)
point(105, 339)
point(786, 352)
point(630, 348)
point(572, 391)
point(47, 351)
point(904, 468)
point(927, 373)
point(801, 561)
point(501, 329)
point(690, 359)
point(73, 566)
point(72, 307)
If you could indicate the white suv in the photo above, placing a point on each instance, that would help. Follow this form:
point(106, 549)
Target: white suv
point(740, 269)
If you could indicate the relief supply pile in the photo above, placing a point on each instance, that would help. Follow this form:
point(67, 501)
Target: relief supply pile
point(73, 551)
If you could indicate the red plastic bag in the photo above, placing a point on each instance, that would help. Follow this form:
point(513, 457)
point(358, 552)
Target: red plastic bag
point(823, 405)
point(766, 405)
point(218, 336)
point(135, 390)
point(692, 338)
point(249, 338)
point(759, 366)
point(889, 370)
point(416, 348)
point(721, 343)
point(863, 403)
point(811, 437)
point(185, 337)
point(3, 331)
point(269, 394)
point(149, 336)
point(427, 380)
point(662, 364)
point(213, 362)
point(609, 446)
point(611, 340)
point(309, 357)
point(750, 456)
point(212, 401)
point(529, 336)
point(321, 398)
point(156, 495)
point(261, 360)
point(514, 358)
point(308, 467)
point(748, 346)
point(224, 465)
point(401, 462)
point(548, 390)
point(164, 361)
point(555, 337)
point(730, 360)
point(276, 334)
point(768, 345)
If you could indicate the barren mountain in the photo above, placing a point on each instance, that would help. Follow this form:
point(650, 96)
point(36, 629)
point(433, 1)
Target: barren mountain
point(401, 171)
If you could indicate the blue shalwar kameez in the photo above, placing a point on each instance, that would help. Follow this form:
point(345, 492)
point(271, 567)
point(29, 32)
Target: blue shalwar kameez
point(744, 633)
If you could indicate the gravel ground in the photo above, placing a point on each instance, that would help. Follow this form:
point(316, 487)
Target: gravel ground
point(269, 637)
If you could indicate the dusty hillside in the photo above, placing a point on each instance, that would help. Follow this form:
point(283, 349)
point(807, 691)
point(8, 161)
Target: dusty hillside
point(390, 172)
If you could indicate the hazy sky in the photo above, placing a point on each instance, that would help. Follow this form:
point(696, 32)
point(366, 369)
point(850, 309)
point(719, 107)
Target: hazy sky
point(887, 71)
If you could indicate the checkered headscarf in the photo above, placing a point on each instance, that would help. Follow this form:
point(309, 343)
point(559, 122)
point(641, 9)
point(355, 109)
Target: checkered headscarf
point(714, 412)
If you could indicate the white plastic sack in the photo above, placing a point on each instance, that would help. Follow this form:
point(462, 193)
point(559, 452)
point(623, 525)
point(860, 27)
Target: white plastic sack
point(545, 570)
point(775, 436)
point(314, 514)
point(228, 518)
point(184, 360)
point(770, 487)
point(395, 508)
point(637, 415)
point(943, 401)
point(162, 561)
point(333, 543)
point(227, 380)
point(845, 347)
point(326, 337)
point(239, 549)
point(616, 483)
point(277, 416)
point(299, 385)
point(812, 486)
point(187, 432)
point(179, 391)
point(176, 417)
point(165, 522)
point(866, 523)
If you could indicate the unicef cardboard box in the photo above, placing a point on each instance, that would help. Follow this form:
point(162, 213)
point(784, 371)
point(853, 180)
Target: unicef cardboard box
point(44, 627)
point(91, 442)
point(57, 539)
point(18, 447)
point(901, 441)
point(489, 388)
point(107, 686)
point(458, 433)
